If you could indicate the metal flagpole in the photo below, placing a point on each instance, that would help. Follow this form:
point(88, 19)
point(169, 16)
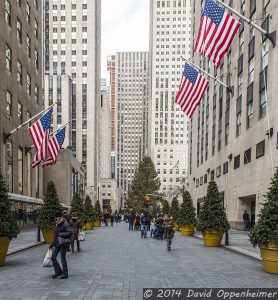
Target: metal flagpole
point(229, 88)
point(26, 122)
point(271, 36)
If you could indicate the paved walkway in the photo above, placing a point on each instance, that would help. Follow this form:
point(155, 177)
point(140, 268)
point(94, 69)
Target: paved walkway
point(117, 264)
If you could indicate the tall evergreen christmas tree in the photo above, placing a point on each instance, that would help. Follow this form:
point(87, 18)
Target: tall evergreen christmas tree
point(98, 212)
point(88, 210)
point(8, 225)
point(266, 230)
point(187, 214)
point(145, 182)
point(213, 214)
point(77, 208)
point(165, 207)
point(174, 211)
point(51, 205)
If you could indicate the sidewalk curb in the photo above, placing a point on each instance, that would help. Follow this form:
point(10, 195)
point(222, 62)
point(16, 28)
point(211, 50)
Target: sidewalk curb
point(237, 250)
point(25, 248)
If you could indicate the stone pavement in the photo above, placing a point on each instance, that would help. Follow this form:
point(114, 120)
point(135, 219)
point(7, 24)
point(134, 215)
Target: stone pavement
point(117, 264)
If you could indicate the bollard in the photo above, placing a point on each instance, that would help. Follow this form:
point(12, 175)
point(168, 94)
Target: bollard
point(227, 238)
point(38, 235)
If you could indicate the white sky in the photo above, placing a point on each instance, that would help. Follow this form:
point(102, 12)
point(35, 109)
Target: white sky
point(125, 27)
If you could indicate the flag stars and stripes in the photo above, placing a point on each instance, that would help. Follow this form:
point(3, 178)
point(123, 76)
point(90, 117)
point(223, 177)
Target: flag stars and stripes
point(213, 11)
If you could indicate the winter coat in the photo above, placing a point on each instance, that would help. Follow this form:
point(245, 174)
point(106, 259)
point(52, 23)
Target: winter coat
point(168, 229)
point(75, 226)
point(62, 230)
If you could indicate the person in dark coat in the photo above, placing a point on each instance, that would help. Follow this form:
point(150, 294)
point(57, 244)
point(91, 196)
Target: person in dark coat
point(112, 219)
point(246, 220)
point(75, 226)
point(130, 221)
point(62, 230)
point(168, 233)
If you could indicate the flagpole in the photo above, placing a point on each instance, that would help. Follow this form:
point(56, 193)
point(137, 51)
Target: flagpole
point(229, 88)
point(271, 36)
point(7, 135)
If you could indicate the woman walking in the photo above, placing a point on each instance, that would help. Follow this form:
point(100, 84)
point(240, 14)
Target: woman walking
point(168, 231)
point(75, 228)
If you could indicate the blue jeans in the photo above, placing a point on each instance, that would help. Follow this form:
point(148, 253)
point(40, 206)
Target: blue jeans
point(168, 242)
point(63, 253)
point(130, 226)
point(144, 230)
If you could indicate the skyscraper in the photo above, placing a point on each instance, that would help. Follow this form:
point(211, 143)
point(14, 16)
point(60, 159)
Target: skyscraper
point(132, 75)
point(73, 48)
point(170, 26)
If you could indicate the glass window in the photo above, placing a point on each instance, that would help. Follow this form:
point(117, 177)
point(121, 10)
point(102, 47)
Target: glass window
point(36, 59)
point(263, 103)
point(28, 45)
point(9, 164)
point(36, 28)
point(19, 31)
point(20, 171)
point(8, 58)
point(28, 18)
point(19, 113)
point(9, 103)
point(8, 12)
point(19, 72)
point(28, 86)
point(29, 175)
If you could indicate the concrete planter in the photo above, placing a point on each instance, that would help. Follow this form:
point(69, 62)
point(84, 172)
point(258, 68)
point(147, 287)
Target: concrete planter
point(4, 245)
point(269, 254)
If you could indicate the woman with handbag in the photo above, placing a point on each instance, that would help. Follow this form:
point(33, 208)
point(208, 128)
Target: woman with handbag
point(61, 241)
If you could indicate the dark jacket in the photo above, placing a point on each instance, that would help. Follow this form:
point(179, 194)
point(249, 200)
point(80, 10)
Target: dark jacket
point(62, 230)
point(168, 229)
point(246, 216)
point(144, 220)
point(75, 226)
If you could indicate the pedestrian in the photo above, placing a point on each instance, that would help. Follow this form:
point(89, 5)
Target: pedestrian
point(159, 225)
point(112, 219)
point(130, 219)
point(105, 219)
point(75, 225)
point(67, 218)
point(59, 245)
point(144, 225)
point(246, 220)
point(168, 226)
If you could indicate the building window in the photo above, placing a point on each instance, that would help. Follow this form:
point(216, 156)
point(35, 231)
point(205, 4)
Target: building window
point(19, 31)
point(20, 171)
point(197, 182)
point(36, 94)
point(8, 58)
point(249, 106)
point(28, 18)
point(36, 4)
point(238, 116)
point(28, 45)
point(237, 162)
point(29, 175)
point(37, 59)
point(28, 85)
point(260, 148)
point(36, 28)
point(19, 113)
point(247, 156)
point(263, 93)
point(205, 178)
point(19, 72)
point(218, 171)
point(8, 12)
point(225, 167)
point(9, 103)
point(212, 175)
point(9, 164)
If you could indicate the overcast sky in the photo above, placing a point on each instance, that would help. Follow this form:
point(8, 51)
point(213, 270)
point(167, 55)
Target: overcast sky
point(125, 27)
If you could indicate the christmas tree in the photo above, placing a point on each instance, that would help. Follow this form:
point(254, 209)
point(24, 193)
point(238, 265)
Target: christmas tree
point(8, 225)
point(187, 214)
point(98, 213)
point(174, 211)
point(50, 207)
point(165, 207)
point(88, 209)
point(266, 230)
point(213, 214)
point(77, 209)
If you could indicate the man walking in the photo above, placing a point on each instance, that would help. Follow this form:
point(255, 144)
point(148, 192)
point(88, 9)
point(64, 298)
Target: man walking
point(75, 227)
point(246, 220)
point(168, 231)
point(144, 225)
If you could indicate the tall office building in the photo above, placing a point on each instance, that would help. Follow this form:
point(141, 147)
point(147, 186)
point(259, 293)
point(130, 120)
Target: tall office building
point(233, 137)
point(21, 81)
point(72, 46)
point(132, 75)
point(170, 36)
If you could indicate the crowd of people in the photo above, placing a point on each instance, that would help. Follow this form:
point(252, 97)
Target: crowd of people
point(160, 227)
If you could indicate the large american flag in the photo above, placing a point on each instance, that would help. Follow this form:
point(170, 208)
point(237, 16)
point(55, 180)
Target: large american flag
point(54, 147)
point(42, 151)
point(216, 33)
point(192, 88)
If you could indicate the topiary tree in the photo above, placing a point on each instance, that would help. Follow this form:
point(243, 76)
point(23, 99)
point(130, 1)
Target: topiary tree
point(88, 210)
point(8, 225)
point(98, 213)
point(174, 210)
point(213, 214)
point(50, 207)
point(165, 207)
point(77, 208)
point(266, 230)
point(187, 213)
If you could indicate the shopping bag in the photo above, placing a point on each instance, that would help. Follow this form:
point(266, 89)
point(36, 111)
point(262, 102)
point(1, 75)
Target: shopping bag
point(81, 236)
point(47, 262)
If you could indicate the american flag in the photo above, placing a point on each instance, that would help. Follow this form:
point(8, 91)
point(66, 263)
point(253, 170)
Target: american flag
point(192, 88)
point(42, 151)
point(38, 129)
point(216, 33)
point(54, 147)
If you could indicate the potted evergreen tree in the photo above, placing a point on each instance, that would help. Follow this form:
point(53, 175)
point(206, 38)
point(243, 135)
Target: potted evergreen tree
point(212, 220)
point(8, 226)
point(89, 213)
point(165, 206)
point(174, 211)
point(187, 215)
point(98, 214)
point(77, 209)
point(265, 232)
point(51, 205)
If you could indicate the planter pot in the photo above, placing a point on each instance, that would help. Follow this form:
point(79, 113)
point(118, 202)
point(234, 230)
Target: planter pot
point(269, 254)
point(187, 230)
point(4, 245)
point(89, 226)
point(48, 235)
point(176, 227)
point(97, 223)
point(212, 238)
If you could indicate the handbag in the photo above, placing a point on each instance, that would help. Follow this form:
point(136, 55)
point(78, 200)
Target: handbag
point(81, 236)
point(47, 262)
point(62, 242)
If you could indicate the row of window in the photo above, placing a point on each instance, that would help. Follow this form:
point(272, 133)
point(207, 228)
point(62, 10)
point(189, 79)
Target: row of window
point(73, 6)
